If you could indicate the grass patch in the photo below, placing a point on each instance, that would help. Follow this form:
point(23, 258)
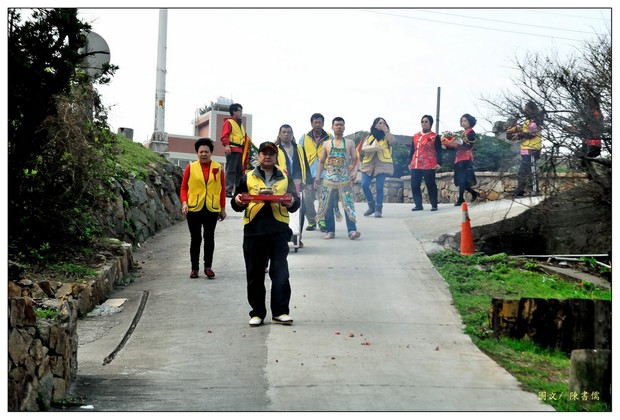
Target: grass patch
point(46, 313)
point(135, 158)
point(70, 272)
point(475, 280)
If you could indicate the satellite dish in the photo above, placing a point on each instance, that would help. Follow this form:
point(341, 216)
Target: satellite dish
point(97, 54)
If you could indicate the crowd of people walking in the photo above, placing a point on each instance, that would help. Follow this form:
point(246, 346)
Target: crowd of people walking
point(319, 168)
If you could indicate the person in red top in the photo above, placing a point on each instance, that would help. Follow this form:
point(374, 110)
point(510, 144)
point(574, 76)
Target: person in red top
point(203, 201)
point(236, 147)
point(464, 176)
point(425, 158)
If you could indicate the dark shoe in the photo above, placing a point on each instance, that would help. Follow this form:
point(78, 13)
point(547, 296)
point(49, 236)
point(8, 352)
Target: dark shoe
point(311, 226)
point(417, 208)
point(458, 203)
point(209, 273)
point(354, 234)
point(193, 274)
point(433, 208)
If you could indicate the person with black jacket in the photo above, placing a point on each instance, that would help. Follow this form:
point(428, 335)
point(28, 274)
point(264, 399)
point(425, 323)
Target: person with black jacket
point(266, 235)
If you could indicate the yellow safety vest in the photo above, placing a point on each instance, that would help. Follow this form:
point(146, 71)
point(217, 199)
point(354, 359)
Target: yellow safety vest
point(312, 151)
point(201, 193)
point(384, 155)
point(255, 184)
point(535, 143)
point(282, 161)
point(237, 135)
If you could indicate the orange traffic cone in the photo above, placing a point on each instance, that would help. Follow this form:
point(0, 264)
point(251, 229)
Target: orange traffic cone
point(467, 241)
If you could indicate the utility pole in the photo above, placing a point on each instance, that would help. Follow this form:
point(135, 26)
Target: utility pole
point(159, 139)
point(438, 107)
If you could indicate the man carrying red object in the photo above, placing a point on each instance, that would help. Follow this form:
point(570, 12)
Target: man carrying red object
point(266, 234)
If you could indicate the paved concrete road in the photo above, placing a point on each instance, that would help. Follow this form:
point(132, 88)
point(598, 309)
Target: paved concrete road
point(374, 330)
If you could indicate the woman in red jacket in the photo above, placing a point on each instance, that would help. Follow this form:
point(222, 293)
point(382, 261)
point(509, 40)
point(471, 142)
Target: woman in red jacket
point(464, 176)
point(425, 159)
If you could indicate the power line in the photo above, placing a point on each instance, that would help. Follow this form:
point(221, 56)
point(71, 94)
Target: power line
point(508, 22)
point(472, 26)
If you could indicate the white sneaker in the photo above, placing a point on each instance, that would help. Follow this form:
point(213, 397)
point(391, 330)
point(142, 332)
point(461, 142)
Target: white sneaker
point(255, 321)
point(282, 319)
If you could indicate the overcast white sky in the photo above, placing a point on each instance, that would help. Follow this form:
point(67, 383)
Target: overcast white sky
point(283, 65)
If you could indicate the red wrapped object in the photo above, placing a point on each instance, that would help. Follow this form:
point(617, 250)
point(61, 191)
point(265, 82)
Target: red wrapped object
point(449, 142)
point(284, 198)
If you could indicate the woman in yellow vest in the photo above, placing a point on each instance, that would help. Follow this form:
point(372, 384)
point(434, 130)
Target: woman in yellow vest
point(377, 163)
point(529, 134)
point(203, 200)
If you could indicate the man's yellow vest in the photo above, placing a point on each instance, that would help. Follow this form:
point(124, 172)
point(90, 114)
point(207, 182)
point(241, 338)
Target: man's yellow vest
point(300, 154)
point(384, 156)
point(237, 135)
point(255, 184)
point(238, 138)
point(312, 151)
point(200, 193)
point(534, 143)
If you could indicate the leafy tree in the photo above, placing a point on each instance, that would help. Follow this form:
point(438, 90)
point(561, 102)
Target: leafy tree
point(60, 146)
point(568, 89)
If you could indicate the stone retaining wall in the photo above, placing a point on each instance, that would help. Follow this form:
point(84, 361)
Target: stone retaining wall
point(491, 185)
point(43, 352)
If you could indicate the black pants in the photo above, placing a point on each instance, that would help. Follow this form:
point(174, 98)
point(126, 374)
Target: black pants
point(258, 251)
point(428, 175)
point(464, 177)
point(528, 173)
point(197, 222)
point(234, 172)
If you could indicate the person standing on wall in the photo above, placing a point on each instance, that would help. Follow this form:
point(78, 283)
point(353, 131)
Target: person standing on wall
point(425, 158)
point(376, 163)
point(236, 147)
point(266, 234)
point(529, 136)
point(203, 200)
point(312, 143)
point(464, 176)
